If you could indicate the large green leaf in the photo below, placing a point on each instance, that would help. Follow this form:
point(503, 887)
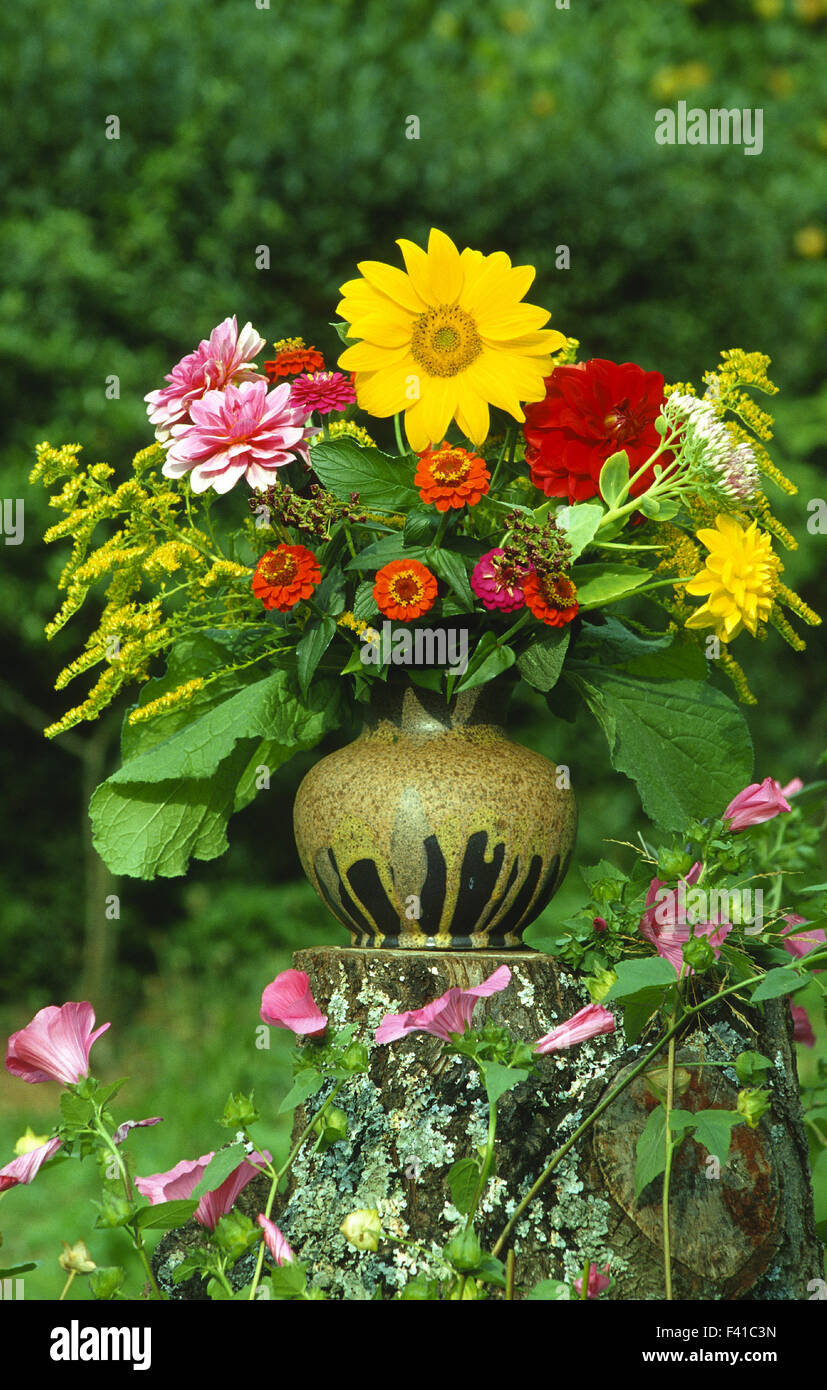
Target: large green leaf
point(541, 663)
point(597, 584)
point(651, 1151)
point(685, 745)
point(383, 482)
point(580, 522)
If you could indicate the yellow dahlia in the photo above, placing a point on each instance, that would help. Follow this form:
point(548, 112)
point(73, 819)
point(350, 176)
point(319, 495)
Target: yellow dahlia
point(445, 340)
point(738, 579)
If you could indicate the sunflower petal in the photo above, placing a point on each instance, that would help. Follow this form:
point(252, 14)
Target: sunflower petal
point(394, 283)
point(416, 264)
point(445, 268)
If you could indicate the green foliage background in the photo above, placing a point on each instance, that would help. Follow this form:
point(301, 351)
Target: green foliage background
point(286, 127)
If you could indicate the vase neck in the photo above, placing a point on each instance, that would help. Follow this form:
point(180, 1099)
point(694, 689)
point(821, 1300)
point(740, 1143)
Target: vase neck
point(414, 709)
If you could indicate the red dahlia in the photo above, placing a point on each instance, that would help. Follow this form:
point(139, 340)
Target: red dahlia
point(590, 411)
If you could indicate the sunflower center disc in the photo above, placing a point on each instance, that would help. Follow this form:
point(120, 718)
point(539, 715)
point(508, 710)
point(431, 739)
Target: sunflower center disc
point(444, 340)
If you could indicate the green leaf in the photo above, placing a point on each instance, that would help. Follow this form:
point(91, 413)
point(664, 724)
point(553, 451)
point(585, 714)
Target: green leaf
point(489, 660)
point(383, 482)
point(685, 745)
point(315, 641)
point(714, 1130)
point(597, 584)
point(550, 1289)
point(381, 552)
point(651, 1151)
point(491, 1271)
point(614, 478)
point(635, 976)
point(18, 1269)
point(541, 663)
point(74, 1110)
point(364, 604)
point(462, 1180)
point(221, 1165)
point(288, 1280)
point(751, 1066)
point(451, 568)
point(580, 522)
point(165, 1216)
point(341, 331)
point(784, 980)
point(638, 1010)
point(306, 1085)
point(499, 1079)
point(421, 525)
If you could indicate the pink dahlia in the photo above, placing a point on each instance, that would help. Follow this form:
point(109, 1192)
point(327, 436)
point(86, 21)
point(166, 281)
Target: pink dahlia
point(217, 361)
point(288, 1003)
point(322, 391)
point(25, 1168)
point(450, 1013)
point(181, 1180)
point(275, 1242)
point(758, 802)
point(243, 431)
point(587, 1023)
point(55, 1046)
point(497, 584)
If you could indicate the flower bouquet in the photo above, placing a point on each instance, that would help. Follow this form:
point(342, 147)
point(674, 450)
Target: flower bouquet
point(527, 495)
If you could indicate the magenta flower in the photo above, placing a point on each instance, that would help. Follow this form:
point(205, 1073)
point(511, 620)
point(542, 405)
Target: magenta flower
point(793, 788)
point(498, 588)
point(55, 1046)
point(598, 1281)
point(666, 925)
point(758, 802)
point(450, 1013)
point(288, 1003)
point(275, 1242)
point(243, 431)
point(802, 943)
point(588, 1023)
point(217, 361)
point(322, 391)
point(25, 1168)
point(185, 1176)
point(802, 1027)
point(122, 1130)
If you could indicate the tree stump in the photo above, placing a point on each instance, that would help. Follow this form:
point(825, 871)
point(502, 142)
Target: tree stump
point(747, 1232)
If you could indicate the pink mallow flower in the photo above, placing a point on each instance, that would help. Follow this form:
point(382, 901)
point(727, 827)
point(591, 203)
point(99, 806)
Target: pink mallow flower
point(25, 1168)
point(758, 802)
point(803, 942)
point(217, 361)
point(288, 1003)
point(122, 1130)
point(180, 1181)
point(55, 1046)
point(487, 583)
point(588, 1023)
point(243, 431)
point(322, 391)
point(802, 1027)
point(275, 1242)
point(666, 925)
point(598, 1281)
point(450, 1013)
point(793, 788)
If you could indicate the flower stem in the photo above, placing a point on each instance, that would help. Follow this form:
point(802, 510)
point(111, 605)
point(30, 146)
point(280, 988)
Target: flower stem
point(67, 1285)
point(400, 443)
point(670, 1148)
point(486, 1164)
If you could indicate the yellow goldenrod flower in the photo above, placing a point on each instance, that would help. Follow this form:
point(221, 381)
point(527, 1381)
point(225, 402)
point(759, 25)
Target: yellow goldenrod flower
point(445, 340)
point(337, 428)
point(738, 579)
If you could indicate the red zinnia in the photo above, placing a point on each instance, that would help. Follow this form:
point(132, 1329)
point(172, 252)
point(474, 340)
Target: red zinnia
point(553, 600)
point(404, 589)
point(591, 411)
point(285, 576)
point(451, 477)
point(293, 357)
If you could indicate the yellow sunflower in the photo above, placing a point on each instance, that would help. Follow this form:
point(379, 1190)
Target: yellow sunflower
point(739, 579)
point(445, 340)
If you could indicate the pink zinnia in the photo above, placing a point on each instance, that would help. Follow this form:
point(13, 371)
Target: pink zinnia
point(25, 1168)
point(802, 943)
point(450, 1013)
point(322, 391)
point(55, 1046)
point(490, 586)
point(288, 1003)
point(802, 1027)
point(217, 361)
point(243, 431)
point(597, 1281)
point(180, 1181)
point(758, 802)
point(588, 1023)
point(275, 1242)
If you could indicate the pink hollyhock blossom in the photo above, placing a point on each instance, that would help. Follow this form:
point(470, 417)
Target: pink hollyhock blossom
point(665, 923)
point(758, 802)
point(450, 1013)
point(55, 1046)
point(487, 583)
point(322, 391)
point(803, 942)
point(802, 1027)
point(217, 361)
point(25, 1168)
point(793, 788)
point(181, 1180)
point(122, 1130)
point(597, 1282)
point(288, 1003)
point(275, 1242)
point(588, 1023)
point(243, 431)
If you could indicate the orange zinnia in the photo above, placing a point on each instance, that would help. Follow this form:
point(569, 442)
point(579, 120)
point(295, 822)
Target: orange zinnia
point(404, 589)
point(451, 477)
point(553, 600)
point(285, 576)
point(292, 357)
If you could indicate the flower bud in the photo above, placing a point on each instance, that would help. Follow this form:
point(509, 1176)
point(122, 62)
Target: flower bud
point(752, 1104)
point(105, 1282)
point(698, 953)
point(362, 1229)
point(600, 925)
point(600, 983)
point(673, 864)
point(113, 1209)
point(464, 1252)
point(356, 1058)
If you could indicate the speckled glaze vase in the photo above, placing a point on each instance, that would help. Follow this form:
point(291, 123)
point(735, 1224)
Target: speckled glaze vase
point(432, 829)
